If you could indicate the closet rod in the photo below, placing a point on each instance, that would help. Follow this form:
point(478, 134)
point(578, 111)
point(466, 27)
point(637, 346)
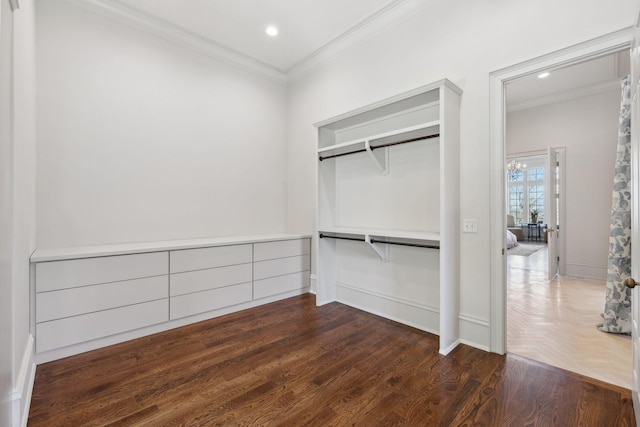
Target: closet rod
point(414, 245)
point(389, 144)
point(322, 236)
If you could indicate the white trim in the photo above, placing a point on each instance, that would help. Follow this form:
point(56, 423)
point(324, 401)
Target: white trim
point(591, 49)
point(565, 96)
point(21, 395)
point(313, 283)
point(15, 5)
point(474, 331)
point(374, 24)
point(445, 351)
point(530, 153)
point(392, 12)
point(473, 319)
point(475, 345)
point(562, 248)
point(586, 271)
point(175, 34)
point(389, 297)
point(422, 310)
point(399, 97)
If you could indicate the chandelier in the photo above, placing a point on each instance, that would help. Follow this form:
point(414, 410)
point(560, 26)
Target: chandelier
point(515, 169)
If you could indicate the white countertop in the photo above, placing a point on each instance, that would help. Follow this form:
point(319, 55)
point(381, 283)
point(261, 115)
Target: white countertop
point(56, 254)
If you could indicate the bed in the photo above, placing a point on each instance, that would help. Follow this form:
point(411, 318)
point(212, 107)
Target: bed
point(512, 240)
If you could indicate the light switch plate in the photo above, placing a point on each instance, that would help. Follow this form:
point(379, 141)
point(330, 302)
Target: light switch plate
point(470, 225)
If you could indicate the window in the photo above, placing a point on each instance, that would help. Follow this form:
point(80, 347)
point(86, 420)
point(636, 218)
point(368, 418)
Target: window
point(516, 199)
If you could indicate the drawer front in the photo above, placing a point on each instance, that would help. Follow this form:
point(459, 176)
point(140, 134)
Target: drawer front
point(55, 275)
point(88, 299)
point(87, 327)
point(203, 280)
point(203, 258)
point(200, 302)
point(278, 285)
point(280, 267)
point(281, 249)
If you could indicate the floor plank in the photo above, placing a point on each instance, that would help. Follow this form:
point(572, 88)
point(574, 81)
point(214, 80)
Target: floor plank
point(291, 363)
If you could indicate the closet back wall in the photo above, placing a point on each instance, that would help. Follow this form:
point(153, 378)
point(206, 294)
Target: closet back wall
point(140, 139)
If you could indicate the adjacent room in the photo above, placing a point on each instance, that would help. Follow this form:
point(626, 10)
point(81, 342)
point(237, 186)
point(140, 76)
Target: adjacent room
point(285, 212)
point(562, 135)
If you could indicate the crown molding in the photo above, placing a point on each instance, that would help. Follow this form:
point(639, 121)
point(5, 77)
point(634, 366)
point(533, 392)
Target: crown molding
point(372, 25)
point(564, 96)
point(175, 34)
point(15, 5)
point(140, 20)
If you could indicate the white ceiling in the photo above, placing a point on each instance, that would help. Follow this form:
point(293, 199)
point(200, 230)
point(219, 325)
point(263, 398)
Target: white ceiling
point(594, 75)
point(306, 26)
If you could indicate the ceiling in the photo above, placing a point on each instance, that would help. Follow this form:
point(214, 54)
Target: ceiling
point(586, 77)
point(305, 26)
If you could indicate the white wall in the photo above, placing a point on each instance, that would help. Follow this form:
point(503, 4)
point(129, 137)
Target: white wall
point(588, 128)
point(18, 201)
point(140, 139)
point(463, 41)
point(6, 240)
point(24, 196)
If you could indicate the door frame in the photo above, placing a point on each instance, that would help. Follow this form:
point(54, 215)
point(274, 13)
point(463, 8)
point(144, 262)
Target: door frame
point(595, 48)
point(562, 264)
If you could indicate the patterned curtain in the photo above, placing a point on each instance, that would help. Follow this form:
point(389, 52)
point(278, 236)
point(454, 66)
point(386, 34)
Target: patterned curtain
point(617, 307)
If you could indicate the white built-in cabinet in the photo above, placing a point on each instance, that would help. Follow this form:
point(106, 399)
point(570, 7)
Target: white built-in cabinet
point(86, 298)
point(388, 209)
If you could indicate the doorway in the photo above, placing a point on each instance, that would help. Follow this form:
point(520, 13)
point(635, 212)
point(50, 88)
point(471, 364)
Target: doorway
point(499, 81)
point(533, 208)
point(553, 320)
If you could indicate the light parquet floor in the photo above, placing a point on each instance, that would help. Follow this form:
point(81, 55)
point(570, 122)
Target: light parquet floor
point(554, 322)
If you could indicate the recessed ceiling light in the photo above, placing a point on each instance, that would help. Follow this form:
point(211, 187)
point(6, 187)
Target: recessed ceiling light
point(272, 31)
point(543, 75)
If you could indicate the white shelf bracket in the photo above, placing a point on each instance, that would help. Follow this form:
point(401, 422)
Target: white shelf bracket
point(380, 157)
point(380, 249)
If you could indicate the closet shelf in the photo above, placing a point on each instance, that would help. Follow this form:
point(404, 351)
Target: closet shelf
point(408, 134)
point(422, 236)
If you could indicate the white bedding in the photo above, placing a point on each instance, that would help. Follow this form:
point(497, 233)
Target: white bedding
point(512, 240)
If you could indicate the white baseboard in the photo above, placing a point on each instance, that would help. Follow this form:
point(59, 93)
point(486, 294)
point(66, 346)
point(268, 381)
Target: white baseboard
point(393, 308)
point(21, 396)
point(586, 271)
point(474, 331)
point(445, 351)
point(313, 280)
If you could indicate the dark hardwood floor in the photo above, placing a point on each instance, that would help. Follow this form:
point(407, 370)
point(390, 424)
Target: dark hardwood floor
point(291, 363)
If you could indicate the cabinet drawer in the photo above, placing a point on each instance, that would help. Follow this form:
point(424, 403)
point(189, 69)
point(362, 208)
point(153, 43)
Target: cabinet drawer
point(281, 249)
point(280, 267)
point(277, 285)
point(87, 327)
point(55, 275)
point(202, 258)
point(200, 302)
point(202, 280)
point(87, 299)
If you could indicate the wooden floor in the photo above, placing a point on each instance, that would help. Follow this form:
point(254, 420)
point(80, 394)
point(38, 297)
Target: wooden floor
point(555, 322)
point(290, 363)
